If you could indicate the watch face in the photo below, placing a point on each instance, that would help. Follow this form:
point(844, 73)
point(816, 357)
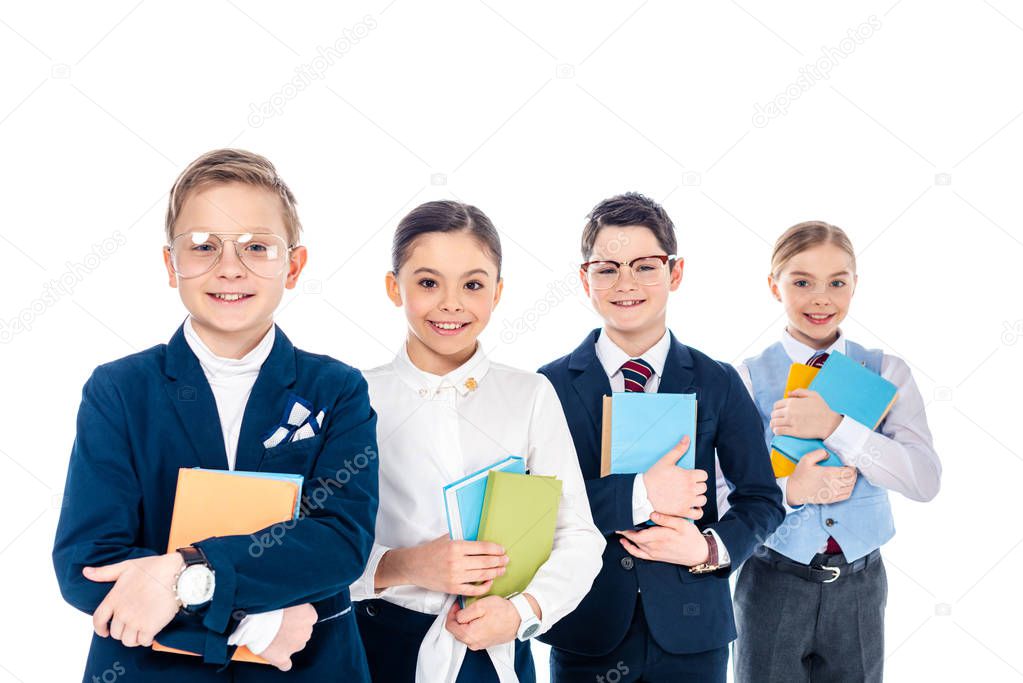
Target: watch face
point(528, 633)
point(195, 585)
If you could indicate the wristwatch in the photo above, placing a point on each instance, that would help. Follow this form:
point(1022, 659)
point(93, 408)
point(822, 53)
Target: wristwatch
point(711, 565)
point(195, 583)
point(530, 625)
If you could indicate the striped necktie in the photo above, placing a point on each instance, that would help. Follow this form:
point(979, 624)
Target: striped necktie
point(637, 372)
point(816, 361)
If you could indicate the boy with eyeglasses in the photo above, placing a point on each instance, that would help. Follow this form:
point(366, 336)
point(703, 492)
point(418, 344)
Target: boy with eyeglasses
point(213, 397)
point(660, 609)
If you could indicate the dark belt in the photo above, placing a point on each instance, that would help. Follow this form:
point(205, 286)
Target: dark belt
point(822, 568)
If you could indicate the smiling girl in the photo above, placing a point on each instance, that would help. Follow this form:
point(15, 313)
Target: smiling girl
point(810, 605)
point(445, 411)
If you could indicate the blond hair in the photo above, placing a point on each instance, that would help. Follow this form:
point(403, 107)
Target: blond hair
point(233, 166)
point(808, 235)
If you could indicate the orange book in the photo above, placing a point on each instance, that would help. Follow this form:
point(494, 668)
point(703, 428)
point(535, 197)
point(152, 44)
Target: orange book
point(222, 503)
point(800, 376)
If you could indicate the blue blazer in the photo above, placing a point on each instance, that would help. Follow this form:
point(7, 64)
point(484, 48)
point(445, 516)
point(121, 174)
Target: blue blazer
point(685, 613)
point(145, 416)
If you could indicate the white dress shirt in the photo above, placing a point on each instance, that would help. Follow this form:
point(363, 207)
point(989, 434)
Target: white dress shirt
point(901, 456)
point(231, 381)
point(612, 357)
point(433, 430)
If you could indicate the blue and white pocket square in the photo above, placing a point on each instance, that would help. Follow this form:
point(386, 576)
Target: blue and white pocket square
point(298, 423)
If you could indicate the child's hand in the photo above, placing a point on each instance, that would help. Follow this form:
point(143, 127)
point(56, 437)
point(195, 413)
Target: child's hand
point(805, 415)
point(674, 490)
point(444, 565)
point(296, 630)
point(813, 483)
point(675, 540)
point(489, 621)
point(142, 600)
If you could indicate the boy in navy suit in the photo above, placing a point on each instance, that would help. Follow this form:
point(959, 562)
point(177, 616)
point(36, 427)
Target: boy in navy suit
point(660, 609)
point(214, 397)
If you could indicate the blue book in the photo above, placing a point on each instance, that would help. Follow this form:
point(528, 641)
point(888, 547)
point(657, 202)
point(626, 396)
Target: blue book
point(297, 479)
point(850, 389)
point(639, 429)
point(463, 499)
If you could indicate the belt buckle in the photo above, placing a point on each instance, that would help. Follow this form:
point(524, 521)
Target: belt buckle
point(836, 571)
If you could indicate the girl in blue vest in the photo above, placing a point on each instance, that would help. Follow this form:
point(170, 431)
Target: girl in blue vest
point(809, 605)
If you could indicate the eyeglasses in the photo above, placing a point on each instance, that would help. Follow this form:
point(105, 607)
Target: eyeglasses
point(197, 253)
point(647, 270)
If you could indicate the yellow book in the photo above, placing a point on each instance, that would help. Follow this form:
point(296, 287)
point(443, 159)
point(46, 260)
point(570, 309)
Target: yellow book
point(800, 376)
point(224, 503)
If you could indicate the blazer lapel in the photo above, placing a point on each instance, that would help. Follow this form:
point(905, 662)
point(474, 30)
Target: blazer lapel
point(266, 406)
point(591, 383)
point(677, 377)
point(192, 398)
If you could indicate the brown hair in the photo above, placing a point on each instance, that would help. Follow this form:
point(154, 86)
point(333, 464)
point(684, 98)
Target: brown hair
point(444, 216)
point(233, 166)
point(630, 208)
point(808, 235)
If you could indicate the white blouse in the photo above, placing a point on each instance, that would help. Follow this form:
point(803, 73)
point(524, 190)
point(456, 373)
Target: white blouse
point(432, 430)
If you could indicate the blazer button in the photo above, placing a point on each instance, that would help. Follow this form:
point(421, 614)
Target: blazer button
point(371, 610)
point(627, 563)
point(829, 522)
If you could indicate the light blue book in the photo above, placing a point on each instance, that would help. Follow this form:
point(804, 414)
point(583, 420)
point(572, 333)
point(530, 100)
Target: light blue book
point(463, 499)
point(297, 479)
point(640, 428)
point(850, 389)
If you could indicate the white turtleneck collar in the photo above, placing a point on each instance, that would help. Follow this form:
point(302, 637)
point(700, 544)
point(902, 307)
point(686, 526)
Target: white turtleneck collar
point(217, 367)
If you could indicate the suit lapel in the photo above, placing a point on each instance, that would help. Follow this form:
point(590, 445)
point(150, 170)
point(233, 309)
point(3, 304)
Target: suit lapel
point(677, 377)
point(590, 382)
point(192, 398)
point(266, 406)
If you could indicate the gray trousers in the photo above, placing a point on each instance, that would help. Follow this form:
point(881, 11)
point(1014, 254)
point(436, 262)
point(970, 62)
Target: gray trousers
point(796, 631)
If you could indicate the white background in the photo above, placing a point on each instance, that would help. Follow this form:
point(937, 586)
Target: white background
point(534, 112)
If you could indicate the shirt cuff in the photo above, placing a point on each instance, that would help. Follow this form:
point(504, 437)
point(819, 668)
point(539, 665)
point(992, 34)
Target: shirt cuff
point(641, 507)
point(365, 586)
point(783, 483)
point(724, 559)
point(257, 631)
point(849, 440)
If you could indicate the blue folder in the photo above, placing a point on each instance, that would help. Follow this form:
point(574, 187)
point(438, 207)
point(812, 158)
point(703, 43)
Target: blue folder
point(463, 499)
point(640, 428)
point(297, 479)
point(850, 389)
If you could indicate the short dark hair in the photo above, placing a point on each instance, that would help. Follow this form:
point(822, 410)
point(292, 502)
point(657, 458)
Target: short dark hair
point(631, 208)
point(444, 216)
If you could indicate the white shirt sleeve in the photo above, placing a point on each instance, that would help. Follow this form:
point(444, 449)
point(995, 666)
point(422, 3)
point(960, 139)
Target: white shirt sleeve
point(901, 456)
point(257, 631)
point(566, 577)
point(364, 587)
point(641, 507)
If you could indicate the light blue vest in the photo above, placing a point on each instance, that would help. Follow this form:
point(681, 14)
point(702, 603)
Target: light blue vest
point(860, 523)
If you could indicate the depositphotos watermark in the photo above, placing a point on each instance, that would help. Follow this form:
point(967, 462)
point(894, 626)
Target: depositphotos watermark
point(314, 70)
point(811, 74)
point(313, 501)
point(74, 274)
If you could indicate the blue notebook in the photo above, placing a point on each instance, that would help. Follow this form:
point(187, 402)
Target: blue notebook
point(463, 499)
point(849, 389)
point(298, 479)
point(639, 428)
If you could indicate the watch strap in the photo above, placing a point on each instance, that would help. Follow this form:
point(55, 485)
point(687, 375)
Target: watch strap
point(193, 555)
point(712, 556)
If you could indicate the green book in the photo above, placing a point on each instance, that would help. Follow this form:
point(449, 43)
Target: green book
point(520, 512)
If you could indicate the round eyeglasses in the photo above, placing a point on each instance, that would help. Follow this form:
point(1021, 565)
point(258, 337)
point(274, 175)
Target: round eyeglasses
point(646, 270)
point(196, 253)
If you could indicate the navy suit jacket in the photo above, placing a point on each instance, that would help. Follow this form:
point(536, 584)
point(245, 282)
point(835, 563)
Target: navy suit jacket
point(685, 613)
point(145, 416)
